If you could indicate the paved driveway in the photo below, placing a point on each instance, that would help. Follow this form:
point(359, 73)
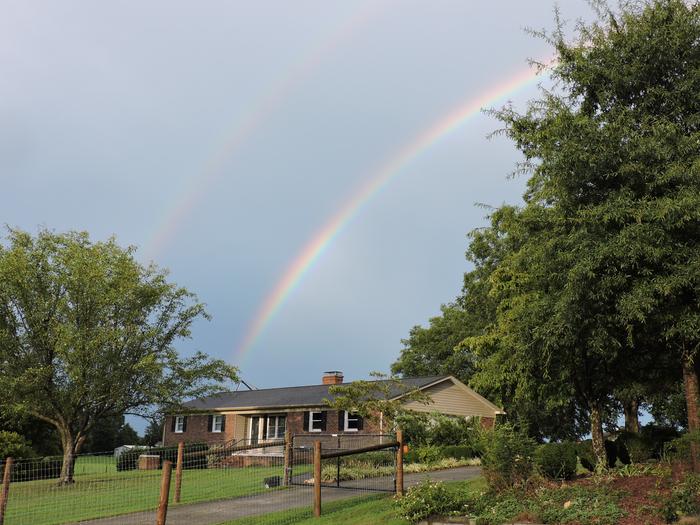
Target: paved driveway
point(215, 512)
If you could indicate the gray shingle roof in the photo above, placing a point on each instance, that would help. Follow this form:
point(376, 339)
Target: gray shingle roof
point(293, 396)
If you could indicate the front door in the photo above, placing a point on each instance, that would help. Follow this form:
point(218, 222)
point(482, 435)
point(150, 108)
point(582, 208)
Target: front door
point(254, 430)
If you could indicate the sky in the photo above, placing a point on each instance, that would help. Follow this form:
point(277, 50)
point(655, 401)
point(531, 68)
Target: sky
point(222, 137)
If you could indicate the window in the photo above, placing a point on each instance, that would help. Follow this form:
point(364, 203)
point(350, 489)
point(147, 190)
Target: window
point(316, 422)
point(275, 427)
point(352, 422)
point(217, 424)
point(179, 424)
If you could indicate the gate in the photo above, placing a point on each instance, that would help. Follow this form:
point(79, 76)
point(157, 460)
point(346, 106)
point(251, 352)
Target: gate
point(359, 462)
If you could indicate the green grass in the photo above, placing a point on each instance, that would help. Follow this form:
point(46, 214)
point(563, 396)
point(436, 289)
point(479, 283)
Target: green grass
point(364, 510)
point(100, 491)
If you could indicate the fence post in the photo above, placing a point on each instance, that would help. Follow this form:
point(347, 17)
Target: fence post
point(399, 463)
point(164, 493)
point(317, 479)
point(178, 470)
point(5, 494)
point(287, 458)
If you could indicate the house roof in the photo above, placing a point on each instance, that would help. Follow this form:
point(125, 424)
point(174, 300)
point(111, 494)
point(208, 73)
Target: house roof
point(293, 396)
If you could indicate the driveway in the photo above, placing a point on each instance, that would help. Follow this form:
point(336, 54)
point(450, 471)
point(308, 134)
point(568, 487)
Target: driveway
point(215, 512)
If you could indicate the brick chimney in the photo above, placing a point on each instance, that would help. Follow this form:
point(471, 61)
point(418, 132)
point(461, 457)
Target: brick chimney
point(332, 377)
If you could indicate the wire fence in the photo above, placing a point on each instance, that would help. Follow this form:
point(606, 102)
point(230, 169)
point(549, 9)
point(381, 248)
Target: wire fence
point(370, 471)
point(209, 484)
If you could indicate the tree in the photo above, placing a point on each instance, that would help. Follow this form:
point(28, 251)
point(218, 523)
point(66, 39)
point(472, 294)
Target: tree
point(87, 333)
point(612, 210)
point(433, 350)
point(384, 398)
point(154, 432)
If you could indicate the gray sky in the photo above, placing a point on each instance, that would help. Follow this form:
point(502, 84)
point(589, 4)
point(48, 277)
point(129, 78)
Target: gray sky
point(117, 116)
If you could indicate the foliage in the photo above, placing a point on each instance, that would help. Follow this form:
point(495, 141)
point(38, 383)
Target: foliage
point(35, 469)
point(637, 447)
point(154, 432)
point(433, 350)
point(364, 469)
point(586, 456)
point(508, 458)
point(129, 460)
point(679, 449)
point(87, 333)
point(587, 505)
point(15, 446)
point(684, 499)
point(556, 460)
point(384, 396)
point(427, 499)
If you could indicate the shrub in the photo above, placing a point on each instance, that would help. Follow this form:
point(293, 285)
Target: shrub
point(657, 436)
point(507, 460)
point(679, 449)
point(684, 499)
point(584, 450)
point(429, 454)
point(129, 460)
point(35, 469)
point(556, 460)
point(459, 452)
point(634, 448)
point(15, 446)
point(428, 499)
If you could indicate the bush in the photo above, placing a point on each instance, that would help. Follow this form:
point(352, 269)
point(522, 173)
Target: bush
point(657, 437)
point(684, 499)
point(429, 454)
point(507, 460)
point(15, 446)
point(556, 460)
point(460, 452)
point(634, 448)
point(129, 460)
point(428, 499)
point(584, 450)
point(35, 469)
point(679, 449)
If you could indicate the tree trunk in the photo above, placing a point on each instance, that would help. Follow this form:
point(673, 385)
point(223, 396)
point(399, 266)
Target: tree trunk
point(71, 446)
point(692, 395)
point(631, 409)
point(597, 437)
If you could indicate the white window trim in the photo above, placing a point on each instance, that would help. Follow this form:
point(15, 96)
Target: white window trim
point(311, 420)
point(345, 423)
point(179, 424)
point(220, 419)
point(276, 419)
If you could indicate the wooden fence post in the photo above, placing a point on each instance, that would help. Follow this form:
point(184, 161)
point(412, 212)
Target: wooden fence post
point(164, 493)
point(178, 470)
point(399, 463)
point(317, 479)
point(287, 458)
point(5, 493)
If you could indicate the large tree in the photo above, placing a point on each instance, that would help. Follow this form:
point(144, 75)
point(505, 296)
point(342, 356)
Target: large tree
point(88, 333)
point(607, 276)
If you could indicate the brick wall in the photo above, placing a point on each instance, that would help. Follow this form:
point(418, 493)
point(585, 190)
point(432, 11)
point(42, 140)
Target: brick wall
point(198, 431)
point(198, 428)
point(488, 423)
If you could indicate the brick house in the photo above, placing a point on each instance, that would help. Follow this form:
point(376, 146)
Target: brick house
point(257, 416)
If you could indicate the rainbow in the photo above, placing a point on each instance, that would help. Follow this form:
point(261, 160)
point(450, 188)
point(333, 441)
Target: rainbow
point(320, 242)
point(260, 112)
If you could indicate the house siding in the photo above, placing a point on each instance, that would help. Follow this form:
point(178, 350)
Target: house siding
point(448, 398)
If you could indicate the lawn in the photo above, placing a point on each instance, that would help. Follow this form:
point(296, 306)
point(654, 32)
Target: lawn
point(100, 491)
point(365, 510)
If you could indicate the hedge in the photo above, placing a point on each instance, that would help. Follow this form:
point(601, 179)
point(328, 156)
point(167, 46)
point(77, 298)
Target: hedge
point(129, 460)
point(35, 469)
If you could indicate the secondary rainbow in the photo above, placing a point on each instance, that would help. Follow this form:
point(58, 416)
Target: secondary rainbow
point(320, 242)
point(260, 111)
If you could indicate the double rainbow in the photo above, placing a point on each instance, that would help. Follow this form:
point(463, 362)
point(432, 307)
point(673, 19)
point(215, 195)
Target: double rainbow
point(320, 242)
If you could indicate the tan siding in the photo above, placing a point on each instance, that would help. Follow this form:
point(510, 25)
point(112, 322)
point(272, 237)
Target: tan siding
point(451, 399)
